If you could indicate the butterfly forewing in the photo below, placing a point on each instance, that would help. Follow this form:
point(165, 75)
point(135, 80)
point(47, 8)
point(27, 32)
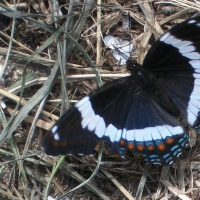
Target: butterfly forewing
point(74, 133)
point(175, 60)
point(146, 112)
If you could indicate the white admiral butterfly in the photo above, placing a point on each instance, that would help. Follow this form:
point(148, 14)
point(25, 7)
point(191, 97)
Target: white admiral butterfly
point(148, 112)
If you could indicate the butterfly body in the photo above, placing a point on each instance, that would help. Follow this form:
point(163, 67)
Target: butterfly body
point(147, 112)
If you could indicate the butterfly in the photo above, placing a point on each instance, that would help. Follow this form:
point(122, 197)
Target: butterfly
point(148, 112)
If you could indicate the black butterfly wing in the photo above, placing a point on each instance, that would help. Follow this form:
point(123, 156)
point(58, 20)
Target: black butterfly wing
point(122, 114)
point(175, 61)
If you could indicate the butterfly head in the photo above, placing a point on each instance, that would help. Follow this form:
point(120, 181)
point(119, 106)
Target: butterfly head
point(131, 65)
point(134, 67)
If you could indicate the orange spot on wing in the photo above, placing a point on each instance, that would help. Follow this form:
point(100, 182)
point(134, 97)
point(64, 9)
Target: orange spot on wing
point(122, 142)
point(55, 143)
point(140, 147)
point(130, 146)
point(170, 140)
point(63, 144)
point(59, 144)
point(150, 147)
point(161, 147)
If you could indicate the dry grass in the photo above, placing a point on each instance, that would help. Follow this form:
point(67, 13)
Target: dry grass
point(33, 72)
